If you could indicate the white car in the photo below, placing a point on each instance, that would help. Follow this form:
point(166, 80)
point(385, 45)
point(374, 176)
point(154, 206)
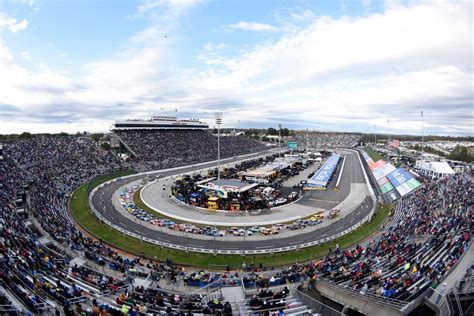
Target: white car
point(280, 201)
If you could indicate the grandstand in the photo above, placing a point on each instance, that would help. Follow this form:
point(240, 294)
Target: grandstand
point(49, 266)
point(165, 148)
point(325, 140)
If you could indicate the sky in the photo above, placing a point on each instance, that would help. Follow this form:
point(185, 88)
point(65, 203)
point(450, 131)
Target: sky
point(326, 65)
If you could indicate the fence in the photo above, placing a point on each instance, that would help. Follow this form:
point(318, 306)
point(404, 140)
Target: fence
point(221, 251)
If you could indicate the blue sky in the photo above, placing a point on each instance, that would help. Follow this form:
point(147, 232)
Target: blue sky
point(324, 65)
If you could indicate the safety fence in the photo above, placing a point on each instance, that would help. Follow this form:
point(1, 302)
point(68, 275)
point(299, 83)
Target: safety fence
point(215, 251)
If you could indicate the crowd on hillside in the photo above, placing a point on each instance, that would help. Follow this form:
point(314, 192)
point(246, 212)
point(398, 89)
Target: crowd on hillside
point(318, 140)
point(160, 149)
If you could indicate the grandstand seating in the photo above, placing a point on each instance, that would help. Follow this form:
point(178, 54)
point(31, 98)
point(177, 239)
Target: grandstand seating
point(427, 235)
point(320, 141)
point(161, 149)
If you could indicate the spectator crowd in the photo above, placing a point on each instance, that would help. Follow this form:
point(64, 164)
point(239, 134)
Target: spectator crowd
point(319, 140)
point(161, 149)
point(428, 233)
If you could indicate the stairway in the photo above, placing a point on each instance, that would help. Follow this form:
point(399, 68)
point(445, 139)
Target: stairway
point(289, 305)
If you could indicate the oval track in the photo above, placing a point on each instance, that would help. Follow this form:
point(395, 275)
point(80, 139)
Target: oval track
point(102, 202)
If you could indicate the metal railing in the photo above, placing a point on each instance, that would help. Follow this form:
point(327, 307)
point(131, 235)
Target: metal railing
point(373, 299)
point(317, 306)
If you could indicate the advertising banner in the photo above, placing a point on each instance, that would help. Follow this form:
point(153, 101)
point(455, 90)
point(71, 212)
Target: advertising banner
point(391, 196)
point(398, 177)
point(383, 171)
point(382, 181)
point(292, 145)
point(408, 186)
point(387, 187)
point(377, 164)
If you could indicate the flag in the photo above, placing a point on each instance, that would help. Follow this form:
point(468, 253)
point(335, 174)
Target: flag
point(395, 143)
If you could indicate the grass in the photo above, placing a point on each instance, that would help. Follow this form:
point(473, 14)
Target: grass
point(84, 216)
point(374, 155)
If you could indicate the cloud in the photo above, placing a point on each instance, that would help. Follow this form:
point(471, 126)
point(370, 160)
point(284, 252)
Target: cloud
point(165, 9)
point(251, 27)
point(344, 73)
point(11, 23)
point(359, 69)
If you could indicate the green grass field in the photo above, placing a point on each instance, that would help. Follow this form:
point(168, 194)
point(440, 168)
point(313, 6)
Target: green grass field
point(83, 215)
point(373, 154)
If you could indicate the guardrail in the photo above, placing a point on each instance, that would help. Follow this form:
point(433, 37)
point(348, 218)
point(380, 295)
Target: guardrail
point(226, 251)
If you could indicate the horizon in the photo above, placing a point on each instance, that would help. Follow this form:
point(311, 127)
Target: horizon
point(335, 66)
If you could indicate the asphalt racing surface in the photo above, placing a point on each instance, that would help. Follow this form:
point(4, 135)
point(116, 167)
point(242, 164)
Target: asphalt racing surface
point(102, 201)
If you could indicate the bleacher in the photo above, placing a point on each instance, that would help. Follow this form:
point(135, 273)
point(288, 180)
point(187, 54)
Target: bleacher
point(171, 148)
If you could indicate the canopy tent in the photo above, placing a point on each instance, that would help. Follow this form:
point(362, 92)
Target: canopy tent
point(435, 169)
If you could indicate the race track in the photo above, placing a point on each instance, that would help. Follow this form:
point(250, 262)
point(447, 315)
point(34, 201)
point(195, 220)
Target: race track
point(352, 174)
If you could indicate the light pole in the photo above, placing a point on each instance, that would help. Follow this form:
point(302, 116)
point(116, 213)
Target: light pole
point(307, 136)
point(375, 134)
point(422, 136)
point(218, 116)
point(388, 131)
point(279, 141)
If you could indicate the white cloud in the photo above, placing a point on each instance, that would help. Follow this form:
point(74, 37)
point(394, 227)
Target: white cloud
point(11, 23)
point(251, 27)
point(20, 26)
point(345, 73)
point(167, 9)
point(330, 45)
point(379, 65)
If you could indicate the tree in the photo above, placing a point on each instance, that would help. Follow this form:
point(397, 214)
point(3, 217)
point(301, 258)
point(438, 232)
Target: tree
point(96, 137)
point(272, 131)
point(461, 153)
point(285, 132)
point(25, 135)
point(105, 146)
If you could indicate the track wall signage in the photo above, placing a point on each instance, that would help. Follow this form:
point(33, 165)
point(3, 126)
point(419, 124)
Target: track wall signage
point(393, 182)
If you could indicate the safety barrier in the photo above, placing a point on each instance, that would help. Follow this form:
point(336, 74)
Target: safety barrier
point(228, 251)
point(223, 251)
